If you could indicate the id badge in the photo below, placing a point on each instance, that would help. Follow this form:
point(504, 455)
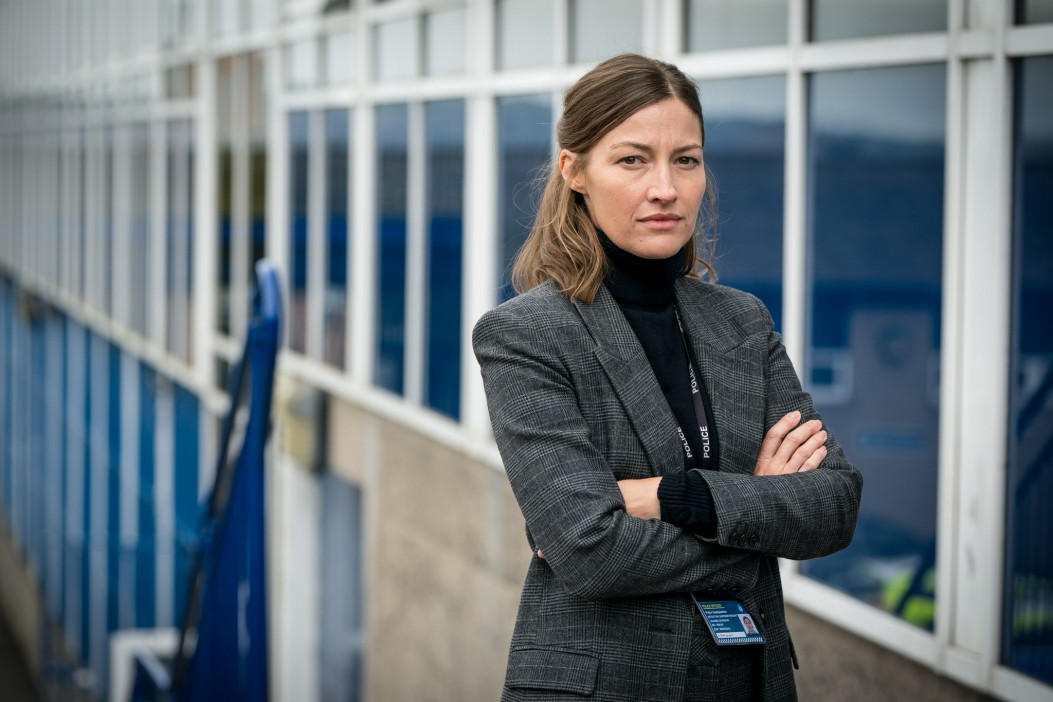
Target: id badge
point(728, 622)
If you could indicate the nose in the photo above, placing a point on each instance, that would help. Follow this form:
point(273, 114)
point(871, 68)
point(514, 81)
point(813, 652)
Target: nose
point(661, 187)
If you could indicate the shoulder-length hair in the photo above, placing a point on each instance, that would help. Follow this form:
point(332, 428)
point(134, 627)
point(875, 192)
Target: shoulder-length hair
point(563, 244)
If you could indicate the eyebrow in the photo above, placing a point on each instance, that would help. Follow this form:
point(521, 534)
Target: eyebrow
point(648, 149)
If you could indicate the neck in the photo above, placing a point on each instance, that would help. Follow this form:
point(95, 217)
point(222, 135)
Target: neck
point(644, 281)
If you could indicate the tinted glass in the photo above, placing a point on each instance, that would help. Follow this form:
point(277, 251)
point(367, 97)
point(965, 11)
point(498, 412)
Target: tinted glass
point(1027, 622)
point(299, 129)
point(337, 132)
point(392, 166)
point(1034, 11)
point(845, 19)
point(729, 24)
point(524, 33)
point(744, 152)
point(876, 218)
point(602, 28)
point(524, 136)
point(445, 169)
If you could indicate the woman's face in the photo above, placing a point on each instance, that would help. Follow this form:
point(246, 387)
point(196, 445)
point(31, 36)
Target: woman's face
point(644, 180)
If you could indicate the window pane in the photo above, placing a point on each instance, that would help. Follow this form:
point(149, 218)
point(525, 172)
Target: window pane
point(602, 28)
point(524, 33)
point(140, 227)
point(445, 170)
point(301, 64)
point(745, 135)
point(339, 58)
point(525, 131)
point(446, 42)
point(1035, 11)
point(845, 19)
point(180, 237)
point(392, 164)
point(225, 130)
point(877, 165)
point(729, 24)
point(396, 50)
point(299, 129)
point(337, 132)
point(257, 161)
point(1028, 617)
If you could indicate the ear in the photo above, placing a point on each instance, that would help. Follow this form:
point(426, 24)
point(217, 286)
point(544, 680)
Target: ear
point(568, 168)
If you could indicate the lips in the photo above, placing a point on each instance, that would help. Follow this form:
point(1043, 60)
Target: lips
point(662, 218)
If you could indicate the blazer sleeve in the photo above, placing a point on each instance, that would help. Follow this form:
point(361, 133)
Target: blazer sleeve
point(796, 516)
point(565, 488)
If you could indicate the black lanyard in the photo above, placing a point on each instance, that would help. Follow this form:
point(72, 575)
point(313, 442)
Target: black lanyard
point(701, 415)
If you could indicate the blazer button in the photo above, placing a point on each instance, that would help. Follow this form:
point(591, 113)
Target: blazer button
point(734, 539)
point(754, 540)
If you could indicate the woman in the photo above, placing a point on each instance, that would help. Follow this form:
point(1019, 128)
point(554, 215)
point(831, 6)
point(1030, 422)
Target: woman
point(652, 427)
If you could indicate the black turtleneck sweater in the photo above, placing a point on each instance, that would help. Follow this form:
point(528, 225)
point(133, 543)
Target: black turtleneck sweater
point(643, 289)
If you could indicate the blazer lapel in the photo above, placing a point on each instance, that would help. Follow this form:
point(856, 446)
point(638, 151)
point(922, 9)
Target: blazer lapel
point(732, 370)
point(629, 372)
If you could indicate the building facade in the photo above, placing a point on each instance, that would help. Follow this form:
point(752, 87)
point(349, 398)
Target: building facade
point(884, 173)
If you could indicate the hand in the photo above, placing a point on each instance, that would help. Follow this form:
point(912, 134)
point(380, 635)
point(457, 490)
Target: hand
point(789, 450)
point(641, 497)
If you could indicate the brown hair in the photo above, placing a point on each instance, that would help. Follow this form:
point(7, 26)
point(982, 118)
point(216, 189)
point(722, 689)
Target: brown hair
point(563, 244)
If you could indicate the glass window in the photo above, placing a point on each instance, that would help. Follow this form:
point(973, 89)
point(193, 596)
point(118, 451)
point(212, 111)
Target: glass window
point(226, 16)
point(337, 134)
point(257, 162)
point(180, 237)
point(179, 83)
point(445, 222)
point(396, 50)
point(301, 64)
point(525, 129)
point(299, 133)
point(140, 227)
point(730, 24)
point(524, 33)
point(341, 583)
point(340, 59)
point(446, 41)
point(744, 153)
point(876, 143)
point(847, 19)
point(1027, 638)
point(602, 28)
point(226, 101)
point(392, 123)
point(1034, 11)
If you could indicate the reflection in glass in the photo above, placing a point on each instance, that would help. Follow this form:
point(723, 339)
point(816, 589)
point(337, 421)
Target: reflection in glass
point(602, 28)
point(446, 41)
point(745, 136)
point(395, 53)
point(730, 24)
point(337, 133)
point(876, 217)
point(299, 138)
point(1027, 638)
point(524, 136)
point(1034, 11)
point(524, 33)
point(392, 122)
point(846, 19)
point(225, 129)
point(445, 172)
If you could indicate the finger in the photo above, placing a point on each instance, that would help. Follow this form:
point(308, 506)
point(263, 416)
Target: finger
point(814, 461)
point(805, 451)
point(795, 439)
point(773, 439)
point(540, 555)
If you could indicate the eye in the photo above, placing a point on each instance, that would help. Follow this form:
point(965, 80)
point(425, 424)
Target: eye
point(630, 160)
point(687, 161)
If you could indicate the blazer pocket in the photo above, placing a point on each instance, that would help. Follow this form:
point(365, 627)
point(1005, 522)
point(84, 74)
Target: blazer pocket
point(552, 669)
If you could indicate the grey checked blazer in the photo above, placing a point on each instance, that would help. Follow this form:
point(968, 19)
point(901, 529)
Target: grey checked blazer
point(575, 407)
